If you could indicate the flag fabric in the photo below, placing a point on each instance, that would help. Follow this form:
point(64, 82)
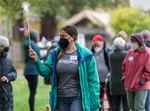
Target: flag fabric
point(22, 29)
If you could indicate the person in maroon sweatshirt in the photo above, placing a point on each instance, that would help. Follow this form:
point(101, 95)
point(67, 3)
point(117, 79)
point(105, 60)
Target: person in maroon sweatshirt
point(136, 73)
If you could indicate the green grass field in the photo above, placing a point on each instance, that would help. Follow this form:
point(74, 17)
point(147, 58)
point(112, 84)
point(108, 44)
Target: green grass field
point(21, 93)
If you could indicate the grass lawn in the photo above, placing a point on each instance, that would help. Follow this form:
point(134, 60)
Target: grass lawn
point(21, 93)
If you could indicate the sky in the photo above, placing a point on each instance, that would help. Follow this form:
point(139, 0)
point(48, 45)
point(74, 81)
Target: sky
point(144, 4)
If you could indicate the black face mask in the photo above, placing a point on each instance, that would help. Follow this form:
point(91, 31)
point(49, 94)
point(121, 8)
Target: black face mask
point(64, 43)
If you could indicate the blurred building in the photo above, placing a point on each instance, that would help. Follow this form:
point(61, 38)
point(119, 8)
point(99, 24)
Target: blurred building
point(90, 22)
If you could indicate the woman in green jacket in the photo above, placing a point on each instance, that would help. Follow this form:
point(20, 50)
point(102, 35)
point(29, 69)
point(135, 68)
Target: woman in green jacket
point(75, 82)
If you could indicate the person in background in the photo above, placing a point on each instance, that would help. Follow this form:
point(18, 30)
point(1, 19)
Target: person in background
point(146, 35)
point(124, 36)
point(42, 44)
point(98, 48)
point(7, 74)
point(136, 73)
point(75, 83)
point(30, 71)
point(117, 91)
point(55, 44)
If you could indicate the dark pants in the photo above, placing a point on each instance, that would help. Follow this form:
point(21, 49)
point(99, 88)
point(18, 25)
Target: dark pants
point(32, 83)
point(69, 104)
point(117, 100)
point(102, 86)
point(147, 105)
point(6, 104)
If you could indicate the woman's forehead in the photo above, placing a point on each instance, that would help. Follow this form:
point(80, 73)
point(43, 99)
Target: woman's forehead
point(98, 42)
point(63, 33)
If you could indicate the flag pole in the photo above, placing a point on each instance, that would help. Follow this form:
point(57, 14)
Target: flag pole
point(25, 6)
point(28, 31)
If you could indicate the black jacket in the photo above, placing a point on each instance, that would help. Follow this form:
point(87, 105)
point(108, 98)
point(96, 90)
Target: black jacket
point(6, 69)
point(116, 59)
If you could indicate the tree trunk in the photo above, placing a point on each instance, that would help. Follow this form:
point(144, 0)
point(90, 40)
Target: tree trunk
point(18, 36)
point(48, 26)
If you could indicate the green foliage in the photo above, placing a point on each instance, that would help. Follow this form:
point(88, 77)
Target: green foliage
point(13, 8)
point(63, 7)
point(21, 94)
point(130, 20)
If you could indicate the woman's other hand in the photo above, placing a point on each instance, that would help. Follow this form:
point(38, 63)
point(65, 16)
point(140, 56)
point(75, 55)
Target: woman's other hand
point(33, 54)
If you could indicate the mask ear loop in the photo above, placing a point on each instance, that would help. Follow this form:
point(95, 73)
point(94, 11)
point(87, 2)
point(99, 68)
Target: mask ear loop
point(69, 42)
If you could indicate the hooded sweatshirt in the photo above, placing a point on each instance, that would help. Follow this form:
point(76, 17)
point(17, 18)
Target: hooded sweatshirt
point(30, 68)
point(136, 70)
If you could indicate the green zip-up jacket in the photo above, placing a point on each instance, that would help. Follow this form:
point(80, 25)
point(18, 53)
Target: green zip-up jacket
point(88, 76)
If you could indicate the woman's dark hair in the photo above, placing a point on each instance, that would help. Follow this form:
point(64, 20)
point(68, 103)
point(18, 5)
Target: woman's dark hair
point(71, 30)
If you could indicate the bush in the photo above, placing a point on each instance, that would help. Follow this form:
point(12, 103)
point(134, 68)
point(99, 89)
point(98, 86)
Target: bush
point(130, 20)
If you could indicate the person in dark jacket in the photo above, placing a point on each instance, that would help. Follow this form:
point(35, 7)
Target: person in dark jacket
point(146, 35)
point(117, 91)
point(7, 74)
point(30, 71)
point(101, 55)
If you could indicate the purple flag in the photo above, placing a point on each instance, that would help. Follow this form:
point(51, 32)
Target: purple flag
point(21, 29)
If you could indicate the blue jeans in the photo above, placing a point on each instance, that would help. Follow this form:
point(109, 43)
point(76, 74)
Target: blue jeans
point(69, 104)
point(147, 105)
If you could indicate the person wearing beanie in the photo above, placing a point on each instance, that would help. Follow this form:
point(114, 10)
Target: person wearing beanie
point(136, 73)
point(101, 55)
point(35, 35)
point(117, 91)
point(30, 71)
point(7, 75)
point(146, 35)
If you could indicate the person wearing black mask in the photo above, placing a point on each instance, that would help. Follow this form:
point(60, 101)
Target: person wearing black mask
point(7, 74)
point(75, 82)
